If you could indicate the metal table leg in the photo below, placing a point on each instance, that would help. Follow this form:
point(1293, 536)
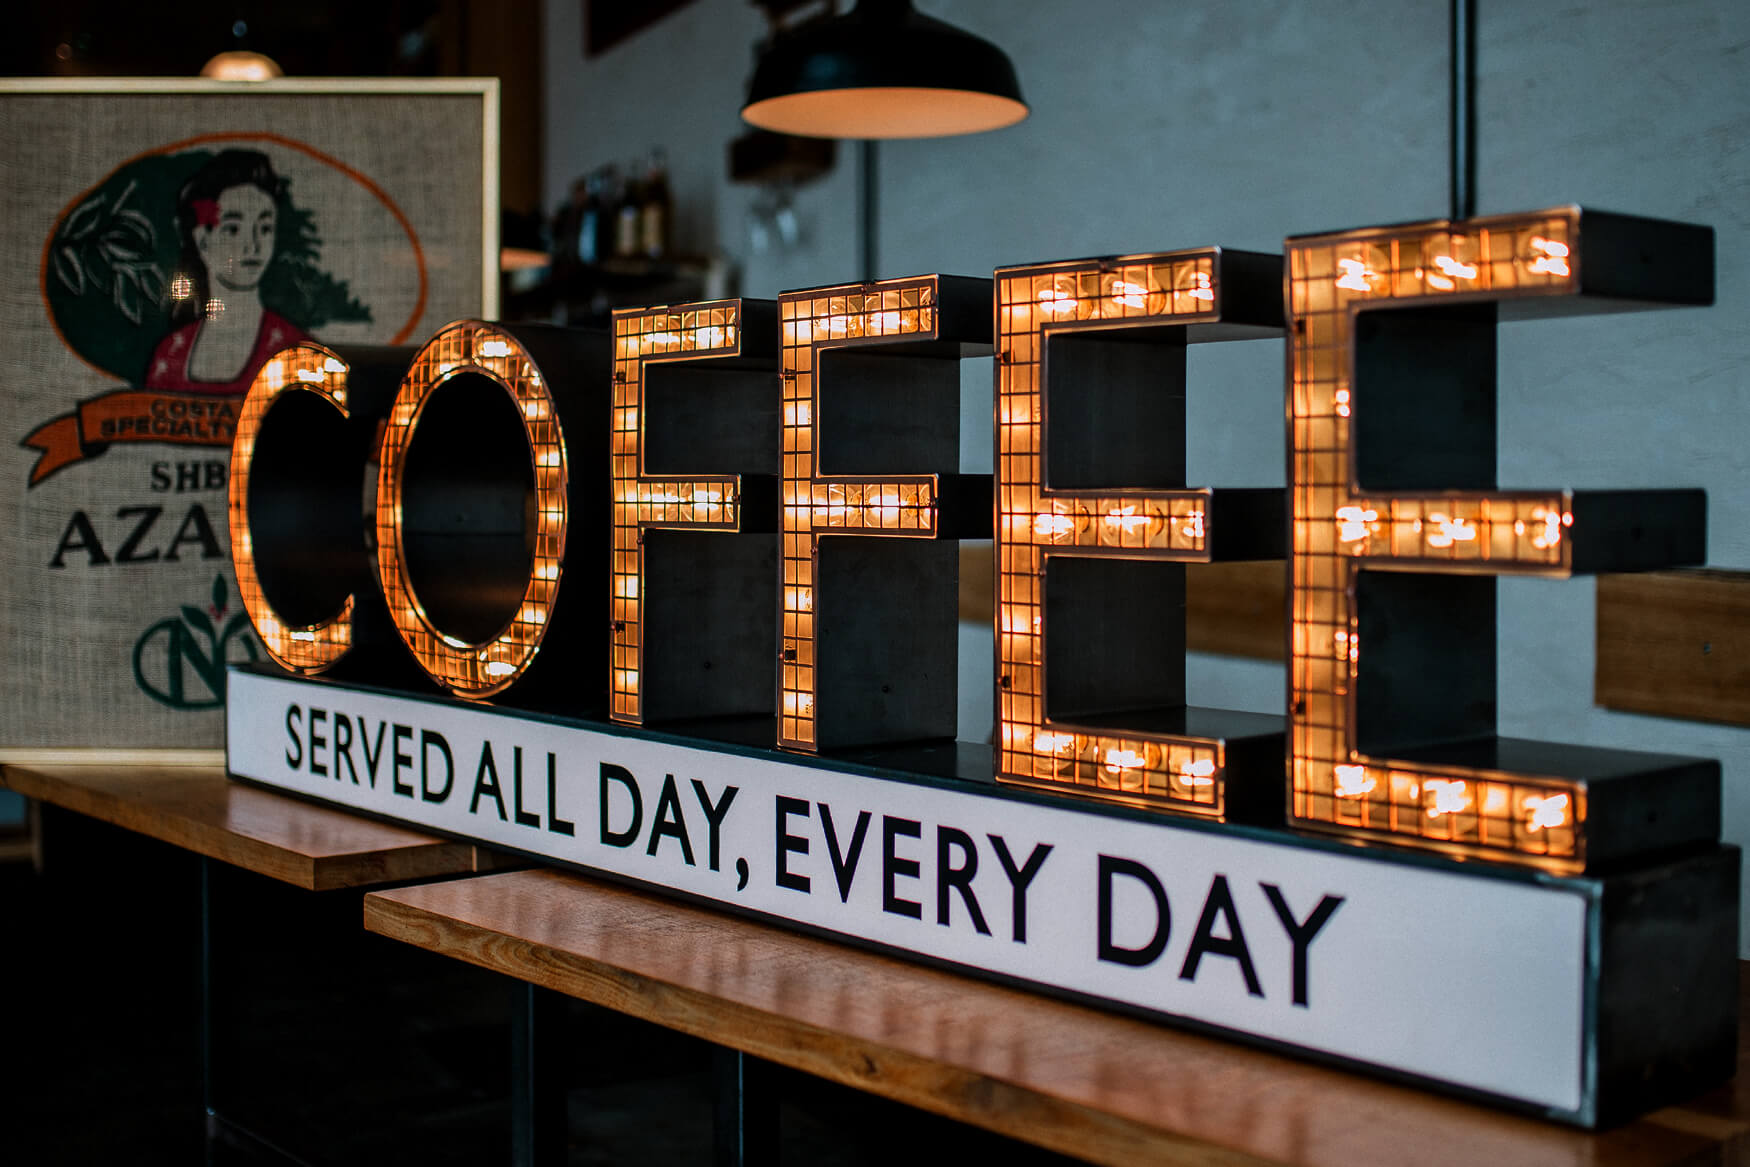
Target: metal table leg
point(746, 1128)
point(537, 1090)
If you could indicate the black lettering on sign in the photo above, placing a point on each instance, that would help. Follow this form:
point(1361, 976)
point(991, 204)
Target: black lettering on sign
point(128, 552)
point(1301, 935)
point(196, 528)
point(670, 822)
point(788, 843)
point(523, 817)
point(294, 755)
point(894, 867)
point(622, 777)
point(844, 864)
point(343, 747)
point(1220, 902)
point(317, 741)
point(428, 740)
point(957, 876)
point(714, 814)
point(555, 824)
point(1020, 879)
point(209, 475)
point(1113, 952)
point(79, 536)
point(401, 761)
point(486, 783)
point(372, 758)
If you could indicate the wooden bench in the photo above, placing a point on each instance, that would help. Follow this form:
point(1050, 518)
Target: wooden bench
point(201, 810)
point(1090, 1084)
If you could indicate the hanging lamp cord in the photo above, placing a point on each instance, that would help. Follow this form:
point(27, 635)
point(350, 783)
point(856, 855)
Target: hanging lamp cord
point(1462, 110)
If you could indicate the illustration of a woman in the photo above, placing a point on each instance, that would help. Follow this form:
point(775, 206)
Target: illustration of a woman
point(227, 213)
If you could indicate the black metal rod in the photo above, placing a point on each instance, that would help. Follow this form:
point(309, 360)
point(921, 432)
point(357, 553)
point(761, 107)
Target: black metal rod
point(206, 989)
point(866, 206)
point(746, 1120)
point(1462, 111)
point(537, 1094)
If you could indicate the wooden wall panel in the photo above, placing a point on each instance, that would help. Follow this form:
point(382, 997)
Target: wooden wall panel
point(1675, 644)
point(1237, 609)
point(502, 39)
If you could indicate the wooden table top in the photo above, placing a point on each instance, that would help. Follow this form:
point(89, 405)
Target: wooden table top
point(200, 809)
point(1102, 1087)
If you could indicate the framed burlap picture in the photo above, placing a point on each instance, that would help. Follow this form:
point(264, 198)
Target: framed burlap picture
point(163, 238)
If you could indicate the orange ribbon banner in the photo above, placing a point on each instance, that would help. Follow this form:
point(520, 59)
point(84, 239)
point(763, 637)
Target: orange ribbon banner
point(131, 415)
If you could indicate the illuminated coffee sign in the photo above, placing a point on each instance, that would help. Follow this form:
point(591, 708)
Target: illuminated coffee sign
point(312, 642)
point(475, 509)
point(846, 399)
point(706, 575)
point(1399, 530)
point(1095, 524)
point(694, 461)
point(492, 369)
point(871, 400)
point(297, 530)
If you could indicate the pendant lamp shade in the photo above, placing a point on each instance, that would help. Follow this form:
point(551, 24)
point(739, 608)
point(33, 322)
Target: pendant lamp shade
point(882, 70)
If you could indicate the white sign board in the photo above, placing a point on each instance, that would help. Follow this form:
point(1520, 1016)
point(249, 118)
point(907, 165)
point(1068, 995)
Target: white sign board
point(1470, 980)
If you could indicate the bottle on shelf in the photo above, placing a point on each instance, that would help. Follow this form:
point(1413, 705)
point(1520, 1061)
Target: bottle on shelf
point(628, 213)
point(607, 211)
point(587, 246)
point(656, 210)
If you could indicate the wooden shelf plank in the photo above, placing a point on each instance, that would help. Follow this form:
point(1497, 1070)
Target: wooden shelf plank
point(101, 756)
point(200, 809)
point(1102, 1087)
point(1675, 644)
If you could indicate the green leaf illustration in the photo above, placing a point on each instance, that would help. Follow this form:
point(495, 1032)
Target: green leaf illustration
point(236, 625)
point(220, 598)
point(197, 619)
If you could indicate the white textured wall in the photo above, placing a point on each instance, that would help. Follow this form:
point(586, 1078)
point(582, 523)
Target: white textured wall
point(1639, 107)
point(679, 85)
point(1166, 125)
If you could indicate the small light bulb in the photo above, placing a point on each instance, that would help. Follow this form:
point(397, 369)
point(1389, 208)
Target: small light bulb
point(1353, 781)
point(1354, 275)
point(1450, 796)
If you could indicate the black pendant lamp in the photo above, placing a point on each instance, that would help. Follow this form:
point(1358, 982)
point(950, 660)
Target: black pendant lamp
point(882, 70)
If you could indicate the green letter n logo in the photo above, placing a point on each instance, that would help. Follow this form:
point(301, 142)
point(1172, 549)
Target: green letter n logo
point(191, 644)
